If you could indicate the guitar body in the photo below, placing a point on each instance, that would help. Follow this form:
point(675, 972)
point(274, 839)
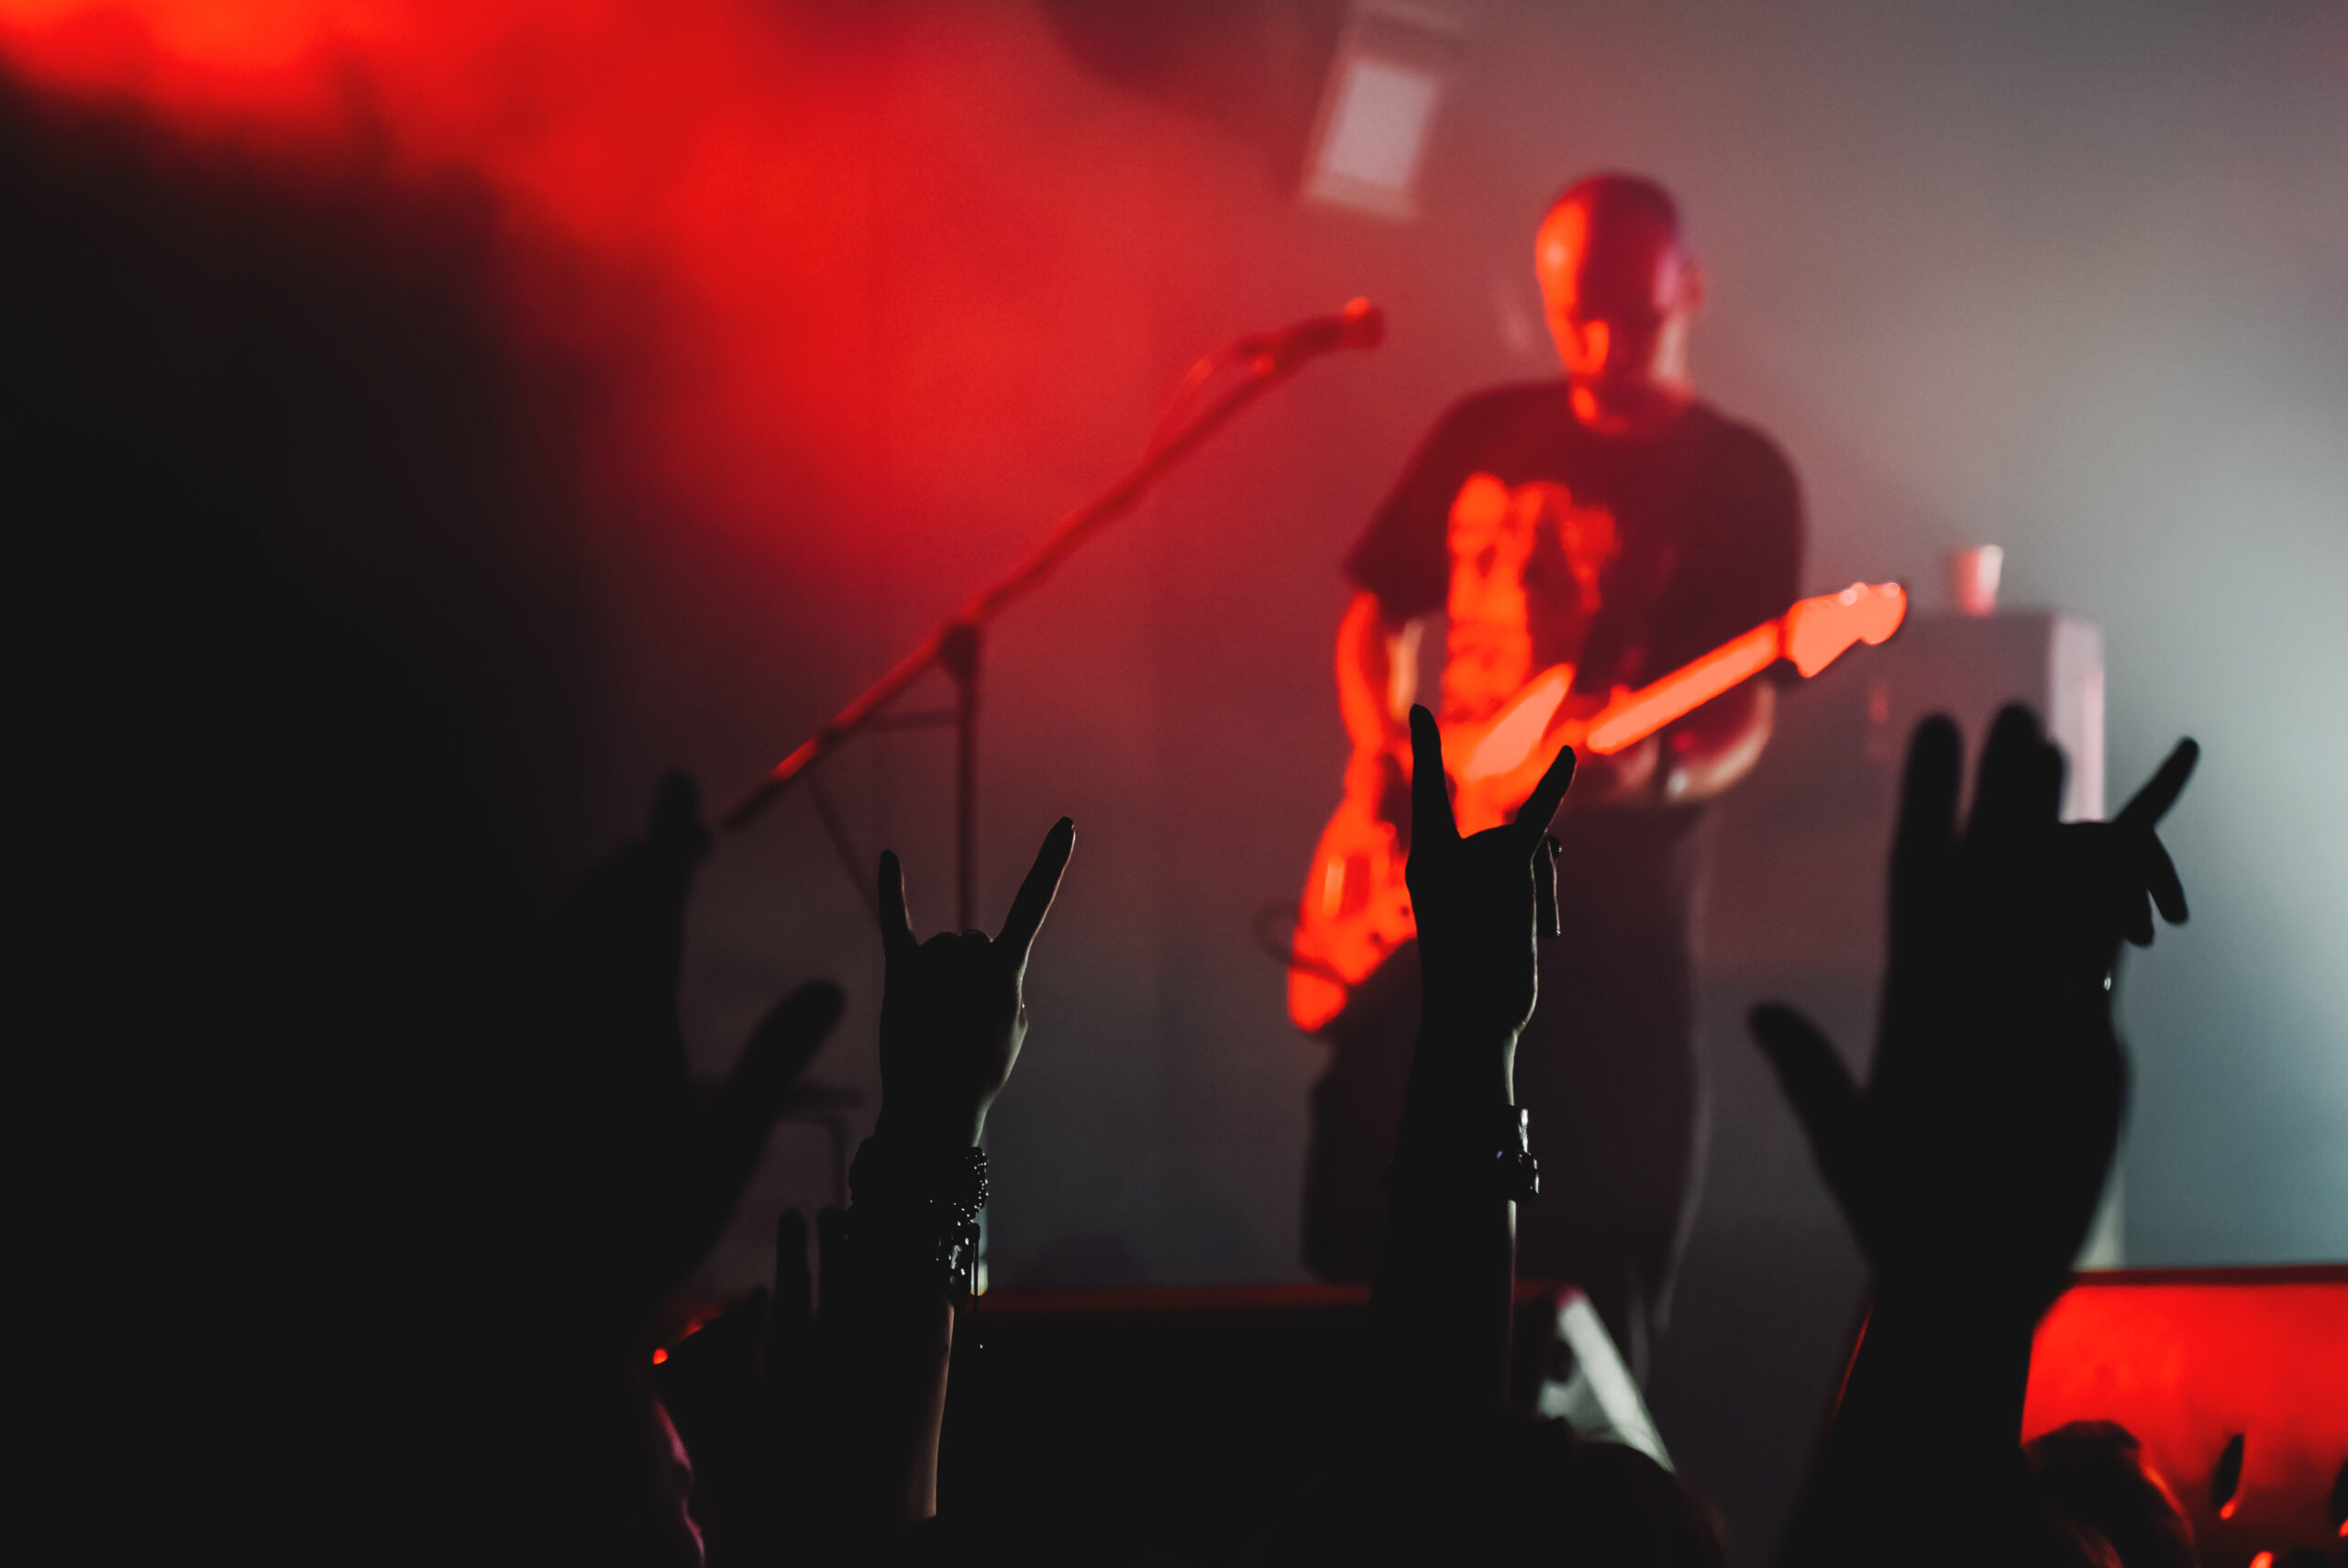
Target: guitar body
point(1357, 908)
point(1356, 912)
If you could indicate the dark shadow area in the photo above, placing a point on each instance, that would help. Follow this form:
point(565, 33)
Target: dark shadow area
point(301, 720)
point(1760, 1331)
point(1252, 68)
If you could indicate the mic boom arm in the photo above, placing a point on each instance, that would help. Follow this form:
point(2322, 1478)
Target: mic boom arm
point(954, 645)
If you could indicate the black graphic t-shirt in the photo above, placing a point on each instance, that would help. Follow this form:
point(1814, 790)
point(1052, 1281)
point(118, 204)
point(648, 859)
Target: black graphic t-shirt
point(1548, 543)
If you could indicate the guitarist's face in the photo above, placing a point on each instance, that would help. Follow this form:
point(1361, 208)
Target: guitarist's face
point(1619, 295)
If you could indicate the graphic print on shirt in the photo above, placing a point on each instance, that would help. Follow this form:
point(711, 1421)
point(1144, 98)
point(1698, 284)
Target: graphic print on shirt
point(1527, 566)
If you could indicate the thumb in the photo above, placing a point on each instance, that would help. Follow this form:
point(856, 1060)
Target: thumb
point(1820, 1086)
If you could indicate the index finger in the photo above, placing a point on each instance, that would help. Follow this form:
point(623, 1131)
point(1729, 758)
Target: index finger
point(1927, 827)
point(2152, 802)
point(1431, 818)
point(1036, 893)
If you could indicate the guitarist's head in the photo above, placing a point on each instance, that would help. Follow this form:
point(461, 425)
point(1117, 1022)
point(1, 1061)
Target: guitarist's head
point(1620, 290)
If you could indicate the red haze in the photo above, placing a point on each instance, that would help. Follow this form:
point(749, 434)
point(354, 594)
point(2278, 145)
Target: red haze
point(690, 153)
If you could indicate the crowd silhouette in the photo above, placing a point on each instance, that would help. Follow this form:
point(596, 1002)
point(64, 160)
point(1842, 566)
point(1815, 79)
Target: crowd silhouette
point(1969, 1165)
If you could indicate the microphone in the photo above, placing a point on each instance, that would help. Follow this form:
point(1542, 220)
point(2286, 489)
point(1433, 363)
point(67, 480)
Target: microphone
point(1360, 324)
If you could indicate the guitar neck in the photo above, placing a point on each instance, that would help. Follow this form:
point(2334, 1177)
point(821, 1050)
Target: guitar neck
point(1630, 719)
point(1813, 633)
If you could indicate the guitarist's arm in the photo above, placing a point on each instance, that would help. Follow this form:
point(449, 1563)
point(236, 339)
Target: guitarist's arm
point(1377, 674)
point(1378, 679)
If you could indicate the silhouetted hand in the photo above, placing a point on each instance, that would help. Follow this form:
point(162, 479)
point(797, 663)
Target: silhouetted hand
point(654, 1162)
point(740, 1391)
point(1479, 902)
point(1971, 1163)
point(952, 1013)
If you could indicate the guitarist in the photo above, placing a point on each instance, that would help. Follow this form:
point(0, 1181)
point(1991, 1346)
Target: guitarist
point(1614, 522)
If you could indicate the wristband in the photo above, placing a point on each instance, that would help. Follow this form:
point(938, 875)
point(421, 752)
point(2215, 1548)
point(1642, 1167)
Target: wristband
point(1495, 1161)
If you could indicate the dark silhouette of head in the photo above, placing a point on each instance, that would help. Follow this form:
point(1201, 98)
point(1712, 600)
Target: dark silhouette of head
point(2094, 1474)
point(1517, 1491)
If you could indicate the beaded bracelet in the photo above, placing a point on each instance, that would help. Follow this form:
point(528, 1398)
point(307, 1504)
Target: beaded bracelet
point(924, 1212)
point(1500, 1165)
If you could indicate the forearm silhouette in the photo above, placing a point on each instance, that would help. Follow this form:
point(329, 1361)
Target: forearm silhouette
point(1970, 1161)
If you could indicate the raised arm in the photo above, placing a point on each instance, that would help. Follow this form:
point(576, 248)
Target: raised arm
point(629, 1173)
point(953, 1018)
point(1447, 1267)
point(1970, 1164)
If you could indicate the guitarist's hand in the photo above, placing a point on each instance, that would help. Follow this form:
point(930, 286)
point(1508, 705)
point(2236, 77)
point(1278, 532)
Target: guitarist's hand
point(1381, 775)
point(1479, 902)
point(1626, 776)
point(1617, 779)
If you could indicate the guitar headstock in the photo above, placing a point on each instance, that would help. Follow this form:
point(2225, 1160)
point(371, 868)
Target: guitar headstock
point(1818, 631)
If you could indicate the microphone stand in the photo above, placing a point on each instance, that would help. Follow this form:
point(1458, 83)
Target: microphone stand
point(954, 646)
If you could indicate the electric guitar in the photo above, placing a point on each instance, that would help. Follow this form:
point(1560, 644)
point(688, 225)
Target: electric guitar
point(1357, 910)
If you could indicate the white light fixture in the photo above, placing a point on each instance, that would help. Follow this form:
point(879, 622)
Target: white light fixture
point(1384, 82)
